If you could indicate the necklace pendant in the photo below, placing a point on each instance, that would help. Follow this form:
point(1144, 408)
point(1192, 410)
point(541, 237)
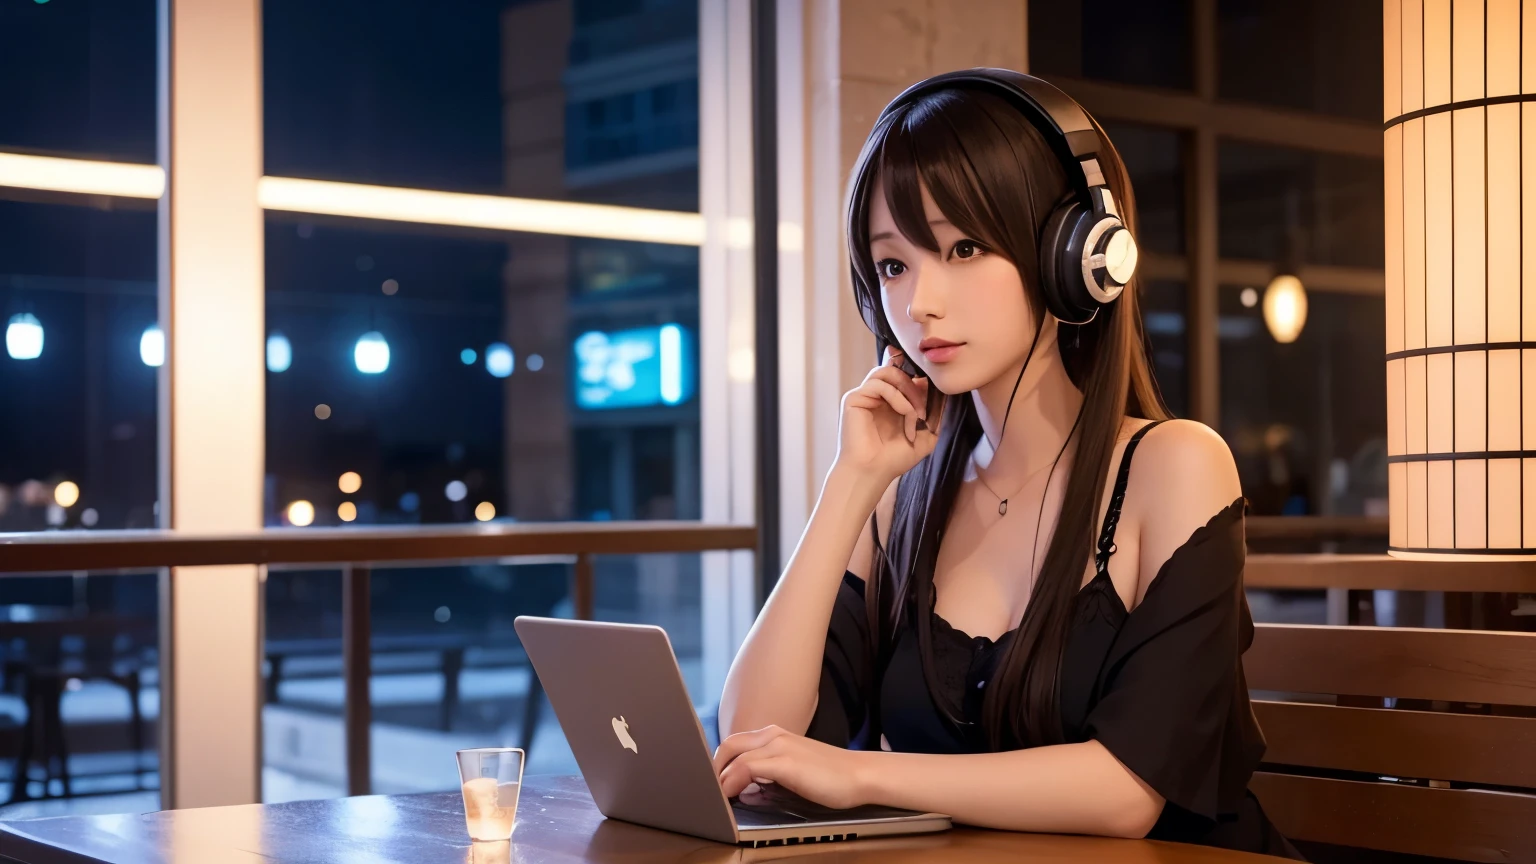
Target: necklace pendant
point(1002, 507)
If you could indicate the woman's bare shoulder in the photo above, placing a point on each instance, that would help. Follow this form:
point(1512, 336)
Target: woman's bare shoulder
point(1182, 475)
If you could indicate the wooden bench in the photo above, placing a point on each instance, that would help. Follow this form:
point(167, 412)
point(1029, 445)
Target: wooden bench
point(1427, 746)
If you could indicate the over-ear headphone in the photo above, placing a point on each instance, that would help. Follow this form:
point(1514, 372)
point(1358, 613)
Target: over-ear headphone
point(1087, 255)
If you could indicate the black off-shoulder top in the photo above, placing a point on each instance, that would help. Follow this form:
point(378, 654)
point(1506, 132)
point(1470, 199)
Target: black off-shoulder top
point(1161, 687)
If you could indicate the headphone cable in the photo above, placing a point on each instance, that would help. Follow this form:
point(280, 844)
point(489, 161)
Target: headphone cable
point(1003, 502)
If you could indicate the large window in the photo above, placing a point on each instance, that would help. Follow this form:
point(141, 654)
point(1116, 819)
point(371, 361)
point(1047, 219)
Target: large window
point(425, 374)
point(419, 370)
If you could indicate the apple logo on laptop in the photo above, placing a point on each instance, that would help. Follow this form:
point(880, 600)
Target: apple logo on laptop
point(621, 729)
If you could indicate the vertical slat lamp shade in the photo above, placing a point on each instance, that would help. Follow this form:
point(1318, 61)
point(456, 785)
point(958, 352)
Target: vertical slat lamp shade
point(1461, 277)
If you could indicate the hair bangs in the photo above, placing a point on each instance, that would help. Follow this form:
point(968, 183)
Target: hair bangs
point(923, 150)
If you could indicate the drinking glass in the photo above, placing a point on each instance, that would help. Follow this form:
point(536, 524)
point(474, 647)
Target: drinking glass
point(490, 778)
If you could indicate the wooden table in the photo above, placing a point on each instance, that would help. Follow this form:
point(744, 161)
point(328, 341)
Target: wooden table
point(557, 822)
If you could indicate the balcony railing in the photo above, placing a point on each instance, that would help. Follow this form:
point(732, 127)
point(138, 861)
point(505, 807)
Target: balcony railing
point(357, 552)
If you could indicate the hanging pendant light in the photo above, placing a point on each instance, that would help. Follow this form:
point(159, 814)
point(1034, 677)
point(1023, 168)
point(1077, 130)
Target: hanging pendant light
point(1285, 308)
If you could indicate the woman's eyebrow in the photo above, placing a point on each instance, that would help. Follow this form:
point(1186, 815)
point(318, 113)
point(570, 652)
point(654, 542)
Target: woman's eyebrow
point(887, 235)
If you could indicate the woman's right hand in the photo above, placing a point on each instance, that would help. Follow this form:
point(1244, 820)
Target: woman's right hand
point(878, 438)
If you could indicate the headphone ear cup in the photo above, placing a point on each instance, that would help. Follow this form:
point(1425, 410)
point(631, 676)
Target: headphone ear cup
point(1061, 256)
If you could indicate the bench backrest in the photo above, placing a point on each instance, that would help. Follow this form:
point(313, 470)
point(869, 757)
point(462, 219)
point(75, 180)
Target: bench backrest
point(1427, 782)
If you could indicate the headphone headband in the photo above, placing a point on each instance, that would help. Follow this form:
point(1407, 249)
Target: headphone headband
point(1063, 123)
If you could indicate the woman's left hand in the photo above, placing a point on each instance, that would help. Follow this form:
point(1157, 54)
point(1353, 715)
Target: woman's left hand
point(827, 775)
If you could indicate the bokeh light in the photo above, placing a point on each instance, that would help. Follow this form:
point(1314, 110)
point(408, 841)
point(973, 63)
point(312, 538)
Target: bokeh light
point(347, 511)
point(24, 337)
point(279, 353)
point(66, 494)
point(499, 360)
point(456, 490)
point(485, 511)
point(371, 354)
point(1285, 308)
point(301, 513)
point(152, 346)
point(350, 482)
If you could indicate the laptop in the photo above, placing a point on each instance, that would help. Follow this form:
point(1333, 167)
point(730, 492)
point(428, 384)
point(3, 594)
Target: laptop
point(622, 704)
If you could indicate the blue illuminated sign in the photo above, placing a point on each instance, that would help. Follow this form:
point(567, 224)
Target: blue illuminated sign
point(634, 368)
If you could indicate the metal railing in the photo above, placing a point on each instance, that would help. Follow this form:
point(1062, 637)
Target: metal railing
point(357, 551)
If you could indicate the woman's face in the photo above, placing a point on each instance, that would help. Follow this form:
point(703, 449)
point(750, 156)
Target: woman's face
point(960, 313)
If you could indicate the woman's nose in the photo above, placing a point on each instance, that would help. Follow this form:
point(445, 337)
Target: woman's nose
point(928, 290)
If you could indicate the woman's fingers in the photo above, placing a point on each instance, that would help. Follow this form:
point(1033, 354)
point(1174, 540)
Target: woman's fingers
point(748, 769)
point(914, 389)
point(742, 742)
point(876, 390)
point(736, 745)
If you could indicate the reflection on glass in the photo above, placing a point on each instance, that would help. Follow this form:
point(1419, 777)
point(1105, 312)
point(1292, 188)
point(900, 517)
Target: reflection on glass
point(1322, 208)
point(79, 78)
point(448, 670)
point(1306, 420)
point(1312, 55)
point(1140, 42)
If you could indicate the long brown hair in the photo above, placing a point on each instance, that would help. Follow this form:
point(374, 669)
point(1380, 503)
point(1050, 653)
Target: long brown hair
point(995, 178)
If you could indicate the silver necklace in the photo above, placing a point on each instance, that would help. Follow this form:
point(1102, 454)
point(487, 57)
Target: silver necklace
point(1002, 501)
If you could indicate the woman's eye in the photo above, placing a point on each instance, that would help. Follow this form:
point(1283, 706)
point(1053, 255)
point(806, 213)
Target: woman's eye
point(967, 249)
point(890, 268)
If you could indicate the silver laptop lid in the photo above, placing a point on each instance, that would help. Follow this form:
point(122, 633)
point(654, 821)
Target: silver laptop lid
point(622, 703)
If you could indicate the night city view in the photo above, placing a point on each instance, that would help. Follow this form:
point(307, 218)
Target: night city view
point(415, 374)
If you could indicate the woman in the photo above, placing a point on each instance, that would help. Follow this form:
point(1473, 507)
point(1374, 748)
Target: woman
point(982, 618)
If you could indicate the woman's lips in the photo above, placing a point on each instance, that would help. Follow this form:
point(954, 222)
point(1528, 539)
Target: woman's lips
point(942, 352)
